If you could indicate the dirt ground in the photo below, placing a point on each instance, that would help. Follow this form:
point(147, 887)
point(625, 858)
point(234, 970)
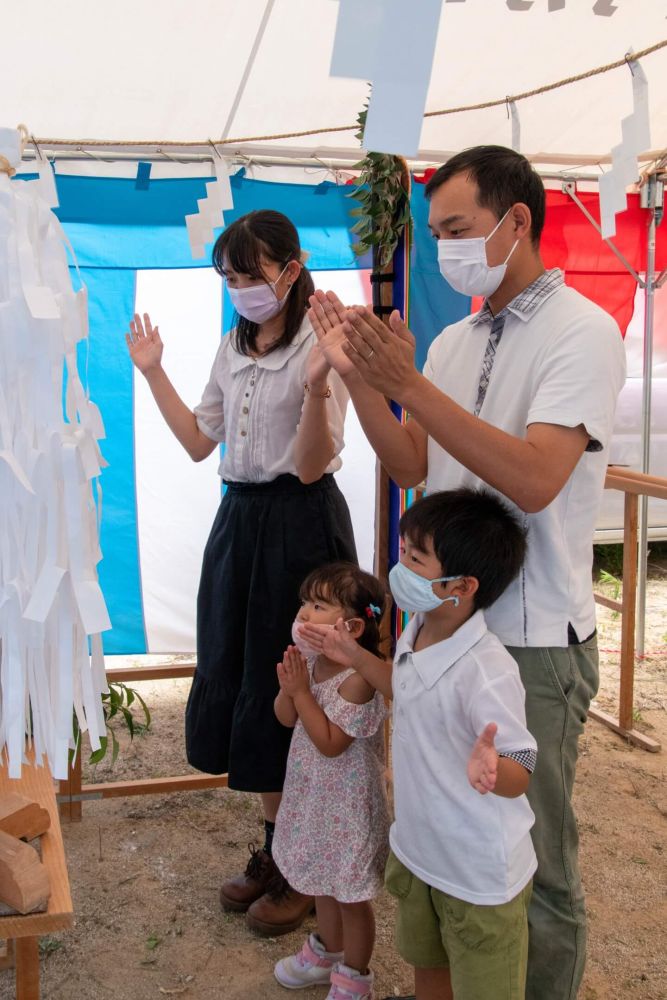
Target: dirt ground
point(145, 871)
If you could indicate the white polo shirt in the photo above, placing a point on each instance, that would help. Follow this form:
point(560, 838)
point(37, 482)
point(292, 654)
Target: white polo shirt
point(560, 360)
point(471, 846)
point(254, 405)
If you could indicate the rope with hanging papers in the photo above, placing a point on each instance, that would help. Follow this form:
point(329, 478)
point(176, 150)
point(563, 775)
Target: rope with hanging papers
point(502, 101)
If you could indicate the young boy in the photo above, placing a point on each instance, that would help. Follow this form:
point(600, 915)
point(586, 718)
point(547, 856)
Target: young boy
point(462, 860)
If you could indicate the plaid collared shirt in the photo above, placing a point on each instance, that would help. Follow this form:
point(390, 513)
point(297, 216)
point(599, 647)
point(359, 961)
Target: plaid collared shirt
point(524, 304)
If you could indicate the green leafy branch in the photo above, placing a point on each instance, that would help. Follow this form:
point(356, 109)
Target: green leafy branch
point(117, 703)
point(384, 205)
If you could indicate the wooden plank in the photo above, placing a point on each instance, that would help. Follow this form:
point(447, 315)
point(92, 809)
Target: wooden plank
point(27, 969)
point(154, 786)
point(626, 697)
point(164, 672)
point(607, 602)
point(633, 735)
point(621, 472)
point(638, 487)
point(36, 783)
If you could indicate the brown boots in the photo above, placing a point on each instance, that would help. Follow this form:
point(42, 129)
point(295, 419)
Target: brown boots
point(239, 892)
point(272, 905)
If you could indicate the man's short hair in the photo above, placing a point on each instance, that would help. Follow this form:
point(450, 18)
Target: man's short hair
point(473, 533)
point(503, 178)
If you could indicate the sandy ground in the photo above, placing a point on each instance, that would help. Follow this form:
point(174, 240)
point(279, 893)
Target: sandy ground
point(145, 871)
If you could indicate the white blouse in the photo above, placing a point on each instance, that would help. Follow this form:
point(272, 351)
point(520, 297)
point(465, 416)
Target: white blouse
point(254, 405)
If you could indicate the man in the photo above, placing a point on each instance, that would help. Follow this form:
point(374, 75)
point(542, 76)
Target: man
point(521, 397)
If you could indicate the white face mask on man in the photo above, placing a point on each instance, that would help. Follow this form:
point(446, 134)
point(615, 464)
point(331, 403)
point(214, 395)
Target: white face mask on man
point(464, 264)
point(259, 303)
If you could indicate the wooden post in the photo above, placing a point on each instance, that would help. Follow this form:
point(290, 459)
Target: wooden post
point(26, 950)
point(69, 790)
point(629, 611)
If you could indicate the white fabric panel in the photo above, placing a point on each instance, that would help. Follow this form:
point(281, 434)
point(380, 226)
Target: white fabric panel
point(357, 477)
point(176, 498)
point(192, 68)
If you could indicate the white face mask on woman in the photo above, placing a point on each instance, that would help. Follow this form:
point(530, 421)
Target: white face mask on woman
point(464, 264)
point(258, 303)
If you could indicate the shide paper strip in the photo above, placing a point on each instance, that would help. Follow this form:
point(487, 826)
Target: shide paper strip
point(51, 605)
point(375, 41)
point(635, 139)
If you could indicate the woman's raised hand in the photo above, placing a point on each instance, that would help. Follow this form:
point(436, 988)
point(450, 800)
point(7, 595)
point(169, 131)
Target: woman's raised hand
point(317, 369)
point(327, 314)
point(144, 344)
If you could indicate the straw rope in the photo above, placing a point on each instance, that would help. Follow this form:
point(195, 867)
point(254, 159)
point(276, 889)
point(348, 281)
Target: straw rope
point(568, 81)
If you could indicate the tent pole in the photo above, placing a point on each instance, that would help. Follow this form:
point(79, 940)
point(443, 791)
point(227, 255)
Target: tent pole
point(652, 199)
point(248, 68)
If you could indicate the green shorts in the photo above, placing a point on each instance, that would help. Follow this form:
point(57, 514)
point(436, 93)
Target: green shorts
point(485, 947)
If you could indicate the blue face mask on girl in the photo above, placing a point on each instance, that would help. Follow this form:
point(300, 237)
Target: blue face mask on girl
point(413, 592)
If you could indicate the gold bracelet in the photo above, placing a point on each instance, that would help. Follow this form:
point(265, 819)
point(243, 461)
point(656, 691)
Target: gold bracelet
point(325, 395)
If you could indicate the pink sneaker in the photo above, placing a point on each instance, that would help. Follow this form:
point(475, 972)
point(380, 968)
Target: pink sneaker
point(310, 967)
point(348, 984)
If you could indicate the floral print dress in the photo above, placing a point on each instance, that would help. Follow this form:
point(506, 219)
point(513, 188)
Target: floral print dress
point(332, 830)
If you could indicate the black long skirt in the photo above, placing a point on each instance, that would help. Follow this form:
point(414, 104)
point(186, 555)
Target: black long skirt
point(265, 539)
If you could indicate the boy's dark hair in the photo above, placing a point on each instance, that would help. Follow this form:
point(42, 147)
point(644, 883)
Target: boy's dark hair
point(473, 533)
point(503, 177)
point(272, 235)
point(355, 590)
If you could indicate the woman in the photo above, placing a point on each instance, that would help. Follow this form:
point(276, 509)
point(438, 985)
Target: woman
point(272, 399)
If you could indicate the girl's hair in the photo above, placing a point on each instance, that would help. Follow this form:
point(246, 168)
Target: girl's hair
point(242, 245)
point(358, 592)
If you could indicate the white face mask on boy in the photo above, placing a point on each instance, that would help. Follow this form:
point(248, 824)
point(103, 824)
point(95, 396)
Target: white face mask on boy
point(258, 303)
point(464, 264)
point(413, 592)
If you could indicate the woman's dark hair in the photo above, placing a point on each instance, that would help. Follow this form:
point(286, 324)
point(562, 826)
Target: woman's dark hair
point(355, 590)
point(268, 234)
point(503, 177)
point(473, 533)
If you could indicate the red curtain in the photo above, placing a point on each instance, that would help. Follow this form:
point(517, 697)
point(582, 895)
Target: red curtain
point(570, 242)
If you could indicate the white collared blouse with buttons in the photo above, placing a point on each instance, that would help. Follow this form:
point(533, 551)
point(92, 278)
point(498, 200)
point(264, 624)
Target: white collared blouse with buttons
point(254, 405)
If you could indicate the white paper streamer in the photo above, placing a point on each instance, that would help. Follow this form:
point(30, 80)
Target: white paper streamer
point(50, 599)
point(209, 214)
point(376, 42)
point(635, 139)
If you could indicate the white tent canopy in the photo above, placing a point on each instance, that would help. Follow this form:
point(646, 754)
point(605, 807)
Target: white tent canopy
point(170, 72)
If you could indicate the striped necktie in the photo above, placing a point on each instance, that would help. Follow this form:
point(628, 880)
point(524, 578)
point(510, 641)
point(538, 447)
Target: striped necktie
point(489, 358)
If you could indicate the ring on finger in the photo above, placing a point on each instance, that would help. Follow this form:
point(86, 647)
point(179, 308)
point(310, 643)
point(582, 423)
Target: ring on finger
point(370, 355)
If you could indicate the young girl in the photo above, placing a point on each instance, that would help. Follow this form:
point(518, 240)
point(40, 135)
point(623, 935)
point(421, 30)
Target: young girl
point(332, 831)
point(273, 401)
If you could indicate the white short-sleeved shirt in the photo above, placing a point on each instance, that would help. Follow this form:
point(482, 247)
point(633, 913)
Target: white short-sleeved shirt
point(560, 360)
point(254, 405)
point(474, 847)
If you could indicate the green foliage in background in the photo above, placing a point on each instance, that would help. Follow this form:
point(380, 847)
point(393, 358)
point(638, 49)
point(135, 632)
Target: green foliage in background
point(117, 703)
point(384, 205)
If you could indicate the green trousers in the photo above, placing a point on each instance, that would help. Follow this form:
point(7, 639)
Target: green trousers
point(560, 683)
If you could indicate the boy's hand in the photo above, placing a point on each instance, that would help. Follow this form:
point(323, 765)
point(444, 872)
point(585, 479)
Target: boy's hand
point(336, 643)
point(293, 673)
point(483, 761)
